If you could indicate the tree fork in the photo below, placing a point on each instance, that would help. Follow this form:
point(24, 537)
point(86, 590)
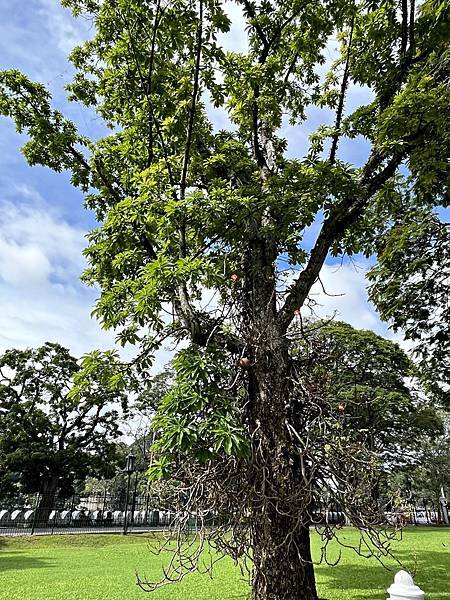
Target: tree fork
point(282, 562)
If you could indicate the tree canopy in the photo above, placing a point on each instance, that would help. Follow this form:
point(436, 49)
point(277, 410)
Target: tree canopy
point(375, 387)
point(411, 287)
point(50, 439)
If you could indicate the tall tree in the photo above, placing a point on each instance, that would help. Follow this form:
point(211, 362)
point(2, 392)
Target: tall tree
point(431, 477)
point(411, 288)
point(375, 387)
point(425, 481)
point(49, 438)
point(184, 208)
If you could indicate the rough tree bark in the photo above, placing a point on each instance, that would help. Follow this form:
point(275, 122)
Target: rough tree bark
point(282, 572)
point(282, 563)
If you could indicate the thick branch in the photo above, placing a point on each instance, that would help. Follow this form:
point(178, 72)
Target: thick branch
point(412, 38)
point(146, 91)
point(346, 213)
point(203, 330)
point(277, 34)
point(150, 81)
point(404, 41)
point(250, 9)
point(183, 306)
point(340, 109)
point(342, 217)
point(190, 127)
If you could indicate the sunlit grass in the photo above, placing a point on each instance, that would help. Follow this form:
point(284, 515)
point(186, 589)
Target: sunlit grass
point(103, 567)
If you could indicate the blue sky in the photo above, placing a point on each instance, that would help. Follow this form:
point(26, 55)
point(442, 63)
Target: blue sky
point(42, 220)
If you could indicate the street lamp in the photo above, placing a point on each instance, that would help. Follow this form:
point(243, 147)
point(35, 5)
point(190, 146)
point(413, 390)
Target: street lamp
point(131, 464)
point(130, 468)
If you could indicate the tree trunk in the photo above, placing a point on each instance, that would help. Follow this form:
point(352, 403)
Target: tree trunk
point(282, 564)
point(46, 501)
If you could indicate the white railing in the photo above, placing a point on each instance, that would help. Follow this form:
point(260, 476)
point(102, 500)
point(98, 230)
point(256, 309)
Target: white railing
point(404, 588)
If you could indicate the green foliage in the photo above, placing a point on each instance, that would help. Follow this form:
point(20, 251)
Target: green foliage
point(137, 73)
point(373, 384)
point(197, 419)
point(196, 225)
point(139, 78)
point(54, 140)
point(411, 287)
point(431, 474)
point(47, 432)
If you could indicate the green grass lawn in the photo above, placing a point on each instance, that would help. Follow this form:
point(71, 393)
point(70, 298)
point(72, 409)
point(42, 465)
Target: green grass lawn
point(102, 567)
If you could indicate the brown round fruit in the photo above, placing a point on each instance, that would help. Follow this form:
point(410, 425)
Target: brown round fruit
point(245, 362)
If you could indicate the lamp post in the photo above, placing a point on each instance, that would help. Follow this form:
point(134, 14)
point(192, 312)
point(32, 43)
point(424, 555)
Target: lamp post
point(129, 469)
point(443, 501)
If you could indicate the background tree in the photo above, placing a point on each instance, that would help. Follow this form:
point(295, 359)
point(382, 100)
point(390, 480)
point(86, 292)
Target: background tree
point(9, 486)
point(425, 479)
point(49, 438)
point(137, 429)
point(411, 288)
point(375, 387)
point(149, 391)
point(432, 475)
point(183, 207)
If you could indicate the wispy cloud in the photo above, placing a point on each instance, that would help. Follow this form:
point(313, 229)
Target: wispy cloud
point(40, 264)
point(342, 293)
point(64, 30)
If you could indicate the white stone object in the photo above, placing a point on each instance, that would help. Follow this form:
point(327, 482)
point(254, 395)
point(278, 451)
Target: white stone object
point(28, 516)
point(404, 588)
point(4, 516)
point(16, 515)
point(66, 516)
point(54, 517)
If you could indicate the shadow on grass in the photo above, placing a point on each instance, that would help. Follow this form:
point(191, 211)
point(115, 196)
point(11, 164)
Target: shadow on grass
point(15, 562)
point(368, 581)
point(432, 568)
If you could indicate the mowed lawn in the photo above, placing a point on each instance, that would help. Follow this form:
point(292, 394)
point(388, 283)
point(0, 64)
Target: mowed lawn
point(103, 567)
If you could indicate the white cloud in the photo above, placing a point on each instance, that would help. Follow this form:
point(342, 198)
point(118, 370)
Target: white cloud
point(33, 231)
point(22, 264)
point(37, 36)
point(235, 40)
point(42, 298)
point(342, 293)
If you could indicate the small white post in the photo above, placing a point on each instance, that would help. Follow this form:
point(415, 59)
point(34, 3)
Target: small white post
point(403, 588)
point(443, 501)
